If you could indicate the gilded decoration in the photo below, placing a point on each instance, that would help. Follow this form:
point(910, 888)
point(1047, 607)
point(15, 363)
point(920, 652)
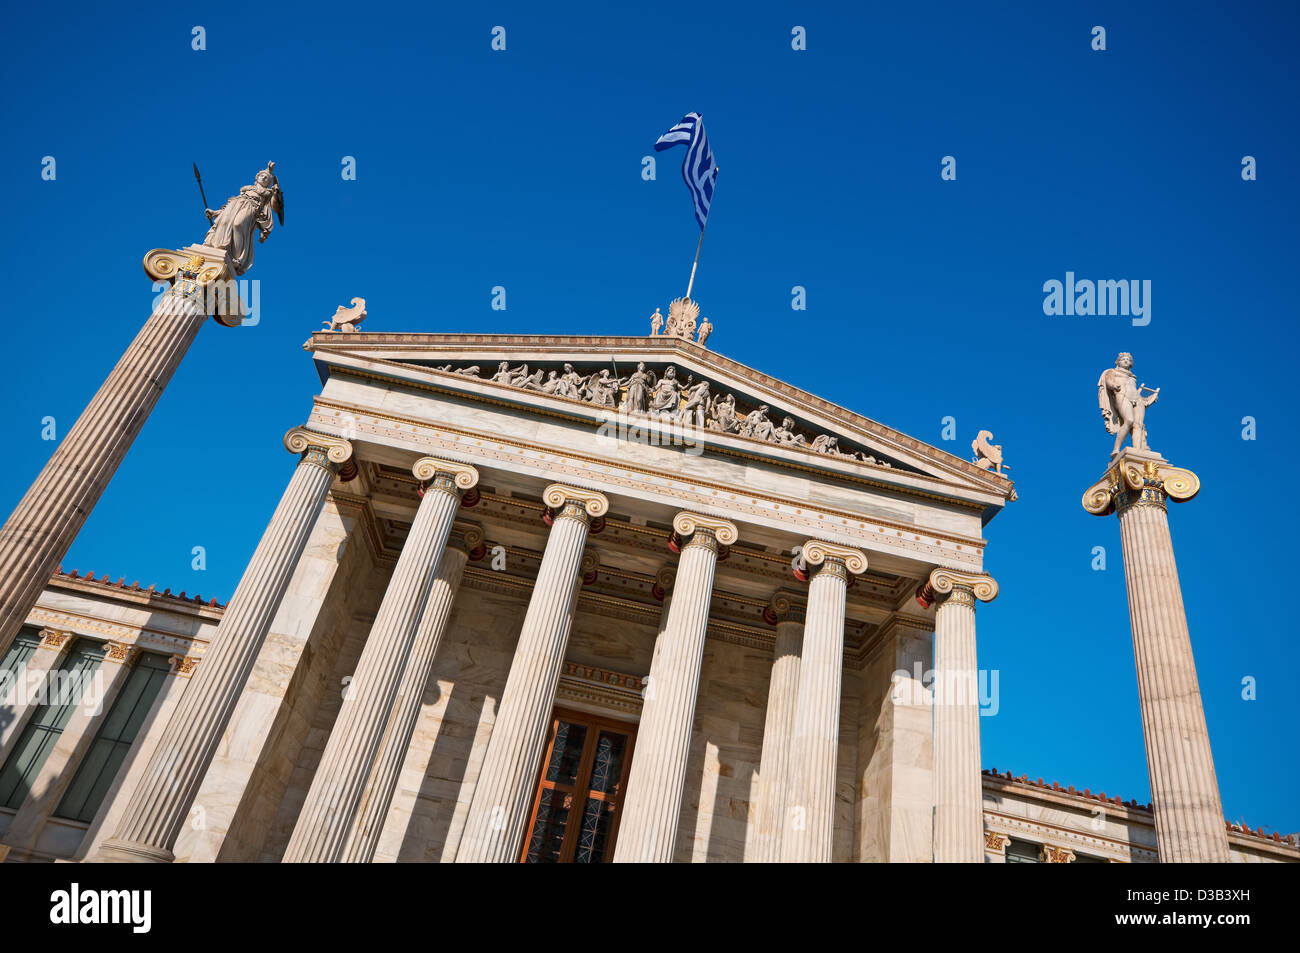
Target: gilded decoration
point(685, 524)
point(300, 440)
point(461, 476)
point(1140, 480)
point(590, 502)
point(951, 582)
point(818, 551)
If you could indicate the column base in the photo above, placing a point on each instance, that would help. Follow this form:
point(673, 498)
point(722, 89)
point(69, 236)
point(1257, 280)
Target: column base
point(125, 852)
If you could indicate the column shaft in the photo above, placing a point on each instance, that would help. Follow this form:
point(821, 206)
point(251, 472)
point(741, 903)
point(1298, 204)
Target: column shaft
point(778, 738)
point(494, 827)
point(369, 823)
point(958, 812)
point(159, 803)
point(1184, 788)
point(648, 830)
point(43, 525)
point(370, 706)
point(807, 830)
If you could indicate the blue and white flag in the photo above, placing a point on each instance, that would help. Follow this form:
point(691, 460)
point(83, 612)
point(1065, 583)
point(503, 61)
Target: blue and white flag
point(698, 168)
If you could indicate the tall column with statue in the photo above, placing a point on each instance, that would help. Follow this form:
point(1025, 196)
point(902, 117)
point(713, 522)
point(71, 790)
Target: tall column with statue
point(37, 535)
point(1138, 486)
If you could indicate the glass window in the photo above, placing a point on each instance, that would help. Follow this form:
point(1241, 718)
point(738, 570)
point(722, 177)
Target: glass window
point(118, 732)
point(1024, 852)
point(48, 720)
point(24, 646)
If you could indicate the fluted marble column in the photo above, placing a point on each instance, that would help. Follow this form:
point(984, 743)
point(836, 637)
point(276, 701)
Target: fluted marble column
point(958, 800)
point(369, 822)
point(159, 803)
point(789, 610)
point(494, 827)
point(375, 721)
point(808, 830)
point(647, 832)
point(1184, 787)
point(47, 519)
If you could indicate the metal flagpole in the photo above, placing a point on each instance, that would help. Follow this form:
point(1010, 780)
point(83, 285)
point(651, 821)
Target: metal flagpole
point(700, 244)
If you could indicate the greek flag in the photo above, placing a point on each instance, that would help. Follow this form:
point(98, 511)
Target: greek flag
point(698, 168)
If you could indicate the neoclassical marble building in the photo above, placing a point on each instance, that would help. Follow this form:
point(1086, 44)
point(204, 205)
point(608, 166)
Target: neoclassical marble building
point(556, 598)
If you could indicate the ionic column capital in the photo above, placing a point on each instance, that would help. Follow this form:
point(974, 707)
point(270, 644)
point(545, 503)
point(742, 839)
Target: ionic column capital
point(120, 653)
point(575, 502)
point(322, 449)
point(786, 606)
point(469, 539)
point(1138, 479)
point(589, 568)
point(700, 530)
point(663, 583)
point(838, 560)
point(967, 586)
point(444, 475)
point(996, 842)
point(55, 639)
point(183, 665)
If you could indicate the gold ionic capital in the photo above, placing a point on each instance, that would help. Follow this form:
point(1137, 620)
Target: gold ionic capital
point(686, 523)
point(817, 551)
point(1139, 480)
point(786, 606)
point(462, 475)
point(120, 652)
point(300, 440)
point(557, 494)
point(982, 586)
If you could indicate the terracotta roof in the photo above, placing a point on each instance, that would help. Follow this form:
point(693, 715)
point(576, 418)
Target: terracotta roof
point(105, 580)
point(1292, 840)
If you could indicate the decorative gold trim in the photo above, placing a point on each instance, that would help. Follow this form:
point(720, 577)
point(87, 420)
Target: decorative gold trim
point(1056, 855)
point(817, 551)
point(300, 439)
point(1133, 481)
point(426, 468)
point(996, 842)
point(557, 494)
point(686, 523)
point(120, 652)
point(183, 665)
point(984, 587)
point(55, 639)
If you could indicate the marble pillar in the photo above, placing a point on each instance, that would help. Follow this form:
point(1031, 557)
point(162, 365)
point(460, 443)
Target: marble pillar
point(372, 709)
point(807, 833)
point(494, 827)
point(158, 805)
point(958, 799)
point(36, 537)
point(788, 610)
point(647, 832)
point(1184, 788)
point(369, 822)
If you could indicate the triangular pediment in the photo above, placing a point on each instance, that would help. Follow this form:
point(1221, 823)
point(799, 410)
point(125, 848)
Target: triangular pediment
point(663, 382)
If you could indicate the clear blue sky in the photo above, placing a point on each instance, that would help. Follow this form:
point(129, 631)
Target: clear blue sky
point(523, 169)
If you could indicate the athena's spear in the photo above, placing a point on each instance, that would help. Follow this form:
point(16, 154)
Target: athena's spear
point(201, 195)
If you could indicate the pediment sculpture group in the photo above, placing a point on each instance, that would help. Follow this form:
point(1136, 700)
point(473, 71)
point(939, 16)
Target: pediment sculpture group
point(689, 402)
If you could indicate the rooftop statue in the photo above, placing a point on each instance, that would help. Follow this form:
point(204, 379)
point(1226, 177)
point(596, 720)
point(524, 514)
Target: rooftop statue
point(1123, 405)
point(233, 224)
